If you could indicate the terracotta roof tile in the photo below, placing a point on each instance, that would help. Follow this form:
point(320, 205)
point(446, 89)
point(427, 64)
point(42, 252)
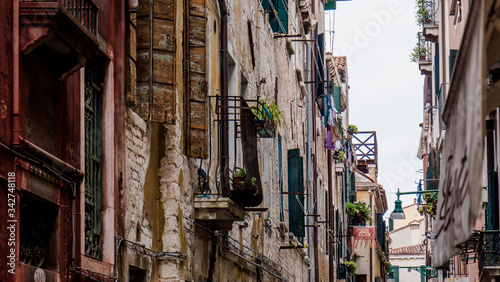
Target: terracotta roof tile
point(340, 61)
point(418, 249)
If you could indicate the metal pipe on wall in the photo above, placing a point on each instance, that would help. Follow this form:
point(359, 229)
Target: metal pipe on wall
point(224, 129)
point(330, 216)
point(15, 74)
point(308, 153)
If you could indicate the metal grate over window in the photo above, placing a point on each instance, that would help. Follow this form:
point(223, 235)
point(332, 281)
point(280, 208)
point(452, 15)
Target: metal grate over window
point(93, 160)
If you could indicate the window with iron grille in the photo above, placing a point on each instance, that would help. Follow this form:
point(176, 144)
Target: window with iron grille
point(93, 160)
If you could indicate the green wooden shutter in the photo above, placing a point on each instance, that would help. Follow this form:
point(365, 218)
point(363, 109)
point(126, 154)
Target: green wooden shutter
point(266, 6)
point(332, 5)
point(279, 21)
point(336, 98)
point(395, 272)
point(296, 185)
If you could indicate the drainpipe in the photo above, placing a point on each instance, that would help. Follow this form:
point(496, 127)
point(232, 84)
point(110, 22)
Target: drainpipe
point(15, 74)
point(308, 156)
point(224, 129)
point(371, 249)
point(330, 215)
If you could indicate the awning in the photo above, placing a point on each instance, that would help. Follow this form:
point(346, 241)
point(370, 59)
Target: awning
point(459, 201)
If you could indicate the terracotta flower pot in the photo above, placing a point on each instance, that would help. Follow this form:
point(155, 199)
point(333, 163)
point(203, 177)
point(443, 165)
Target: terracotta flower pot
point(237, 181)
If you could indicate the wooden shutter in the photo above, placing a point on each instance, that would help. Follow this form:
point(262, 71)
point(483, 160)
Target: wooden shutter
point(296, 201)
point(337, 98)
point(196, 88)
point(156, 61)
point(331, 5)
point(452, 58)
point(279, 19)
point(280, 171)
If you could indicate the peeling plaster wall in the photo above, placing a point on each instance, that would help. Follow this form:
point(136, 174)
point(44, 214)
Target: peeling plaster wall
point(162, 181)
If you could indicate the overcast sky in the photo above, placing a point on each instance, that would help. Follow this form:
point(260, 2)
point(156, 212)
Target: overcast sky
point(385, 87)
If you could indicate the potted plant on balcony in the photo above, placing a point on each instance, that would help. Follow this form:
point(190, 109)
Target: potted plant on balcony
point(430, 205)
point(358, 212)
point(351, 267)
point(420, 52)
point(422, 14)
point(267, 117)
point(352, 129)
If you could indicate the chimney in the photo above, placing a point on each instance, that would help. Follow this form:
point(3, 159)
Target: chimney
point(372, 171)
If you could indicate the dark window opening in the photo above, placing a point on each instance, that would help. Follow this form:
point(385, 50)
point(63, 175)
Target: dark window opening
point(93, 160)
point(38, 241)
point(136, 274)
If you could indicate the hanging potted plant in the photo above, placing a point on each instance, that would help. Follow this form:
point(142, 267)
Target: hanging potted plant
point(238, 177)
point(267, 117)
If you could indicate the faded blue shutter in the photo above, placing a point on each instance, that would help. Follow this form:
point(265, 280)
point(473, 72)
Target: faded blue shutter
point(336, 98)
point(296, 185)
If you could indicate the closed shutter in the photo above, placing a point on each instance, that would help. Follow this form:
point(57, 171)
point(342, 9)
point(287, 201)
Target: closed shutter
point(197, 86)
point(337, 98)
point(278, 18)
point(296, 201)
point(394, 272)
point(155, 61)
point(453, 58)
point(331, 5)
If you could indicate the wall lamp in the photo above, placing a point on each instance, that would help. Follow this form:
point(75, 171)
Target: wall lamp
point(398, 212)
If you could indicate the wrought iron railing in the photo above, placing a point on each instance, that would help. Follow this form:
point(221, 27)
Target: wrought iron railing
point(85, 11)
point(489, 246)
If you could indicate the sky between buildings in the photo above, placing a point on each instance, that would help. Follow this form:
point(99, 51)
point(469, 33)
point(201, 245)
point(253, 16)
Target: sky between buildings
point(386, 88)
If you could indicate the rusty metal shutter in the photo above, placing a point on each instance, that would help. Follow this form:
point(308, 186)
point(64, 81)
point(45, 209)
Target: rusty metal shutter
point(155, 99)
point(196, 89)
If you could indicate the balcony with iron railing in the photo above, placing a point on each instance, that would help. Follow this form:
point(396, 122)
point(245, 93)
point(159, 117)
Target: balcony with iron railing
point(489, 254)
point(427, 15)
point(83, 11)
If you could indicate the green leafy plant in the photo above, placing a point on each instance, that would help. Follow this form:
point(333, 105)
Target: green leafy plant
point(388, 264)
point(419, 50)
point(422, 14)
point(352, 128)
point(339, 155)
point(360, 209)
point(351, 267)
point(267, 111)
point(430, 206)
point(239, 172)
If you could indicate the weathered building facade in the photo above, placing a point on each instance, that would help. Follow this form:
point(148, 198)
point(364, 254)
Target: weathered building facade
point(193, 82)
point(142, 130)
point(460, 62)
point(62, 138)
